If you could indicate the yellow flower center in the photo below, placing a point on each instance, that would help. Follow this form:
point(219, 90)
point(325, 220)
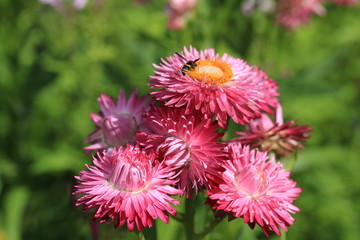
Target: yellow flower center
point(211, 71)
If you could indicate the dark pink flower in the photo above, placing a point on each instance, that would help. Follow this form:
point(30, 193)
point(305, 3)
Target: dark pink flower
point(256, 189)
point(117, 123)
point(294, 13)
point(278, 137)
point(186, 143)
point(220, 86)
point(129, 186)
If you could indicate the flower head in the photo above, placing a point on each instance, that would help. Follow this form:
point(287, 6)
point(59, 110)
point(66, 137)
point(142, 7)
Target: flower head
point(256, 189)
point(220, 86)
point(186, 143)
point(293, 13)
point(128, 186)
point(117, 123)
point(281, 138)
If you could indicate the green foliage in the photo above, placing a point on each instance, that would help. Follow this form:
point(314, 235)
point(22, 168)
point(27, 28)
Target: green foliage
point(53, 66)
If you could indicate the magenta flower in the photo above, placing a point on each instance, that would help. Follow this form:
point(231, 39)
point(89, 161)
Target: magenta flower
point(256, 189)
point(128, 186)
point(220, 86)
point(117, 123)
point(278, 137)
point(186, 143)
point(294, 13)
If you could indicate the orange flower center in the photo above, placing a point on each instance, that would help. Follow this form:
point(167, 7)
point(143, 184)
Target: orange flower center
point(211, 71)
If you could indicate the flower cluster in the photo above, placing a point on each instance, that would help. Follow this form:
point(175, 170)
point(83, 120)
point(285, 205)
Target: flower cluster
point(151, 152)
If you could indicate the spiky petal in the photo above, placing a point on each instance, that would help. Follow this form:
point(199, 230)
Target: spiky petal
point(117, 122)
point(129, 186)
point(256, 189)
point(187, 143)
point(274, 136)
point(220, 86)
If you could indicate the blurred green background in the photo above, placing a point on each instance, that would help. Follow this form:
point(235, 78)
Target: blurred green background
point(54, 65)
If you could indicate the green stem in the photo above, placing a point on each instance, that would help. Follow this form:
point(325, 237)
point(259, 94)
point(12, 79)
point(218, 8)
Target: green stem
point(141, 236)
point(189, 218)
point(148, 233)
point(209, 228)
point(290, 162)
point(283, 235)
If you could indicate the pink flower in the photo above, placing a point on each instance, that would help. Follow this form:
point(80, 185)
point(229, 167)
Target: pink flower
point(117, 123)
point(279, 137)
point(293, 13)
point(218, 86)
point(59, 4)
point(186, 143)
point(266, 6)
point(256, 189)
point(177, 11)
point(128, 186)
point(79, 4)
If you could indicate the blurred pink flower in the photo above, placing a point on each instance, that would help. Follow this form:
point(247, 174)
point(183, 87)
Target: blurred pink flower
point(117, 123)
point(256, 189)
point(128, 186)
point(218, 86)
point(54, 3)
point(59, 4)
point(79, 4)
point(279, 137)
point(294, 13)
point(177, 11)
point(266, 6)
point(187, 143)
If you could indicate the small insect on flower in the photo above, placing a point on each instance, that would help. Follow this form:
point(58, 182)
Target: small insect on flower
point(189, 65)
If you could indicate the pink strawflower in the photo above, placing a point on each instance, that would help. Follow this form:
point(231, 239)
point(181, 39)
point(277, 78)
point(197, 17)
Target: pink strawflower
point(256, 189)
point(294, 13)
point(220, 86)
point(274, 136)
point(178, 11)
point(128, 186)
point(186, 143)
point(117, 123)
